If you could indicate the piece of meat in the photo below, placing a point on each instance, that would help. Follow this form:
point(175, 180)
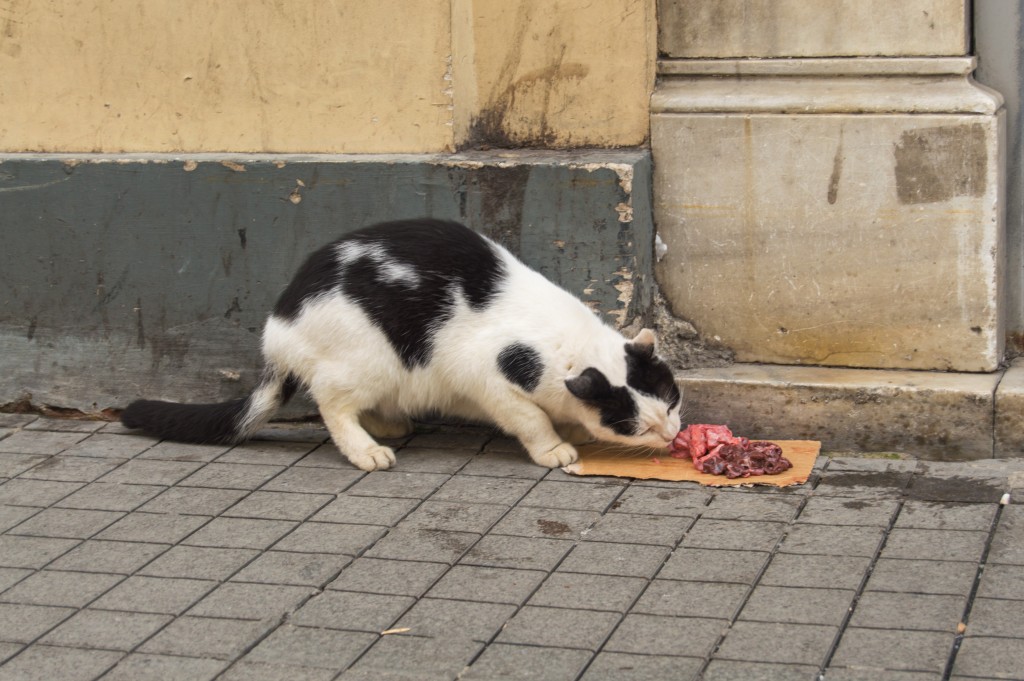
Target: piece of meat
point(715, 450)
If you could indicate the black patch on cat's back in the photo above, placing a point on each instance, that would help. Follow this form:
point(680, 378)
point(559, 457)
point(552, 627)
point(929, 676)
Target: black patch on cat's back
point(521, 365)
point(317, 275)
point(648, 374)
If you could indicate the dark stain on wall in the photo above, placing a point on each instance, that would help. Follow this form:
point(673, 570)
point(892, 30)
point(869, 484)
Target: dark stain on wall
point(940, 163)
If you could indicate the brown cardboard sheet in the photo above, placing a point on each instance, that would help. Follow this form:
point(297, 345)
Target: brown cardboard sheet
point(600, 458)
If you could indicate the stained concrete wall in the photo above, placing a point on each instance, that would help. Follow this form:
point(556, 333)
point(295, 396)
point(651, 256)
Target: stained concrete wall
point(336, 76)
point(152, 276)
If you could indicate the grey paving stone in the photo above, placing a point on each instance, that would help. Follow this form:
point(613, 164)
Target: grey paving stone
point(659, 635)
point(429, 460)
point(279, 505)
point(590, 592)
point(69, 523)
point(989, 657)
point(487, 584)
point(975, 487)
point(231, 475)
point(1008, 541)
point(17, 420)
point(11, 516)
point(268, 453)
point(35, 493)
point(14, 464)
point(798, 605)
point(142, 667)
point(996, 617)
point(139, 471)
point(506, 661)
point(178, 451)
point(714, 565)
point(106, 629)
point(662, 501)
point(870, 465)
point(922, 576)
point(889, 610)
point(337, 538)
point(441, 546)
point(352, 610)
point(221, 639)
point(517, 552)
point(11, 576)
point(116, 557)
point(309, 647)
point(170, 596)
point(570, 495)
point(775, 642)
point(839, 572)
point(733, 670)
point(52, 587)
point(327, 456)
point(199, 562)
point(241, 533)
point(266, 671)
point(436, 617)
point(833, 540)
point(64, 425)
point(110, 496)
point(453, 515)
point(628, 560)
point(21, 623)
point(629, 528)
point(32, 552)
point(72, 468)
point(504, 465)
point(546, 522)
point(934, 544)
point(44, 663)
point(845, 511)
point(864, 484)
point(399, 577)
point(877, 673)
point(1002, 581)
point(237, 600)
point(946, 516)
point(313, 432)
point(411, 658)
point(483, 490)
point(165, 528)
point(193, 501)
point(7, 650)
point(366, 510)
point(691, 599)
point(559, 627)
point(34, 442)
point(314, 480)
point(894, 649)
point(462, 439)
point(750, 535)
point(733, 505)
point(110, 445)
point(607, 666)
point(397, 484)
point(286, 567)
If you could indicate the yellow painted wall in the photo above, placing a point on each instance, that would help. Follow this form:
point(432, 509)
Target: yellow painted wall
point(327, 76)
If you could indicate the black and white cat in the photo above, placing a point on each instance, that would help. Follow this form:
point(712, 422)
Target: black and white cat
point(417, 316)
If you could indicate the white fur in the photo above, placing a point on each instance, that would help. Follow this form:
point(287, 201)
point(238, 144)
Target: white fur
point(353, 373)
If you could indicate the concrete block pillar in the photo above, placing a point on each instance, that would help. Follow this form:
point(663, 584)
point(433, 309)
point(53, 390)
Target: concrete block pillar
point(832, 201)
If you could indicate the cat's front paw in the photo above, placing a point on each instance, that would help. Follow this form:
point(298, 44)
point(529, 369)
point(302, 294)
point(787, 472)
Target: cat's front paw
point(376, 458)
point(562, 455)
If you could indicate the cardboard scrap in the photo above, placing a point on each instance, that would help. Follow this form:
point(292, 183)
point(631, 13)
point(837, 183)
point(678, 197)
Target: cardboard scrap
point(600, 458)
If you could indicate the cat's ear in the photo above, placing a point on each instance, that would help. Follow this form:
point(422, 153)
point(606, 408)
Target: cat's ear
point(589, 386)
point(645, 343)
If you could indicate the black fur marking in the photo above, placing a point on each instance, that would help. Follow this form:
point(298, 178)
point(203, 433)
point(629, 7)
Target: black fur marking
point(447, 257)
point(199, 423)
point(317, 275)
point(648, 374)
point(521, 365)
point(617, 408)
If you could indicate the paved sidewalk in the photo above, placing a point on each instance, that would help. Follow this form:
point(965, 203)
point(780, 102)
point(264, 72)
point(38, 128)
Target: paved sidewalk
point(126, 558)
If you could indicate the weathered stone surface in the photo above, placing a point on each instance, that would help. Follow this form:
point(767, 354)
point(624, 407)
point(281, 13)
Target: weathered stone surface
point(1009, 421)
point(152, 275)
point(793, 28)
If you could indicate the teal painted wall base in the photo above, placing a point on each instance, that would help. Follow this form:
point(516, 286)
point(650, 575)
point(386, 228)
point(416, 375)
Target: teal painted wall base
point(127, 276)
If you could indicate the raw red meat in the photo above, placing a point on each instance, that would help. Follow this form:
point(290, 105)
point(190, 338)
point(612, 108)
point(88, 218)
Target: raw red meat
point(715, 450)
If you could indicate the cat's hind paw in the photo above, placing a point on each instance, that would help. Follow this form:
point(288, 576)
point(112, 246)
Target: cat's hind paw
point(376, 458)
point(562, 455)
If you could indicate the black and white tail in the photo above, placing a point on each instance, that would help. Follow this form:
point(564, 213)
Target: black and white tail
point(223, 422)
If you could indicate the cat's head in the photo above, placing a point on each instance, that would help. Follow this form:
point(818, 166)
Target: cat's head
point(643, 411)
